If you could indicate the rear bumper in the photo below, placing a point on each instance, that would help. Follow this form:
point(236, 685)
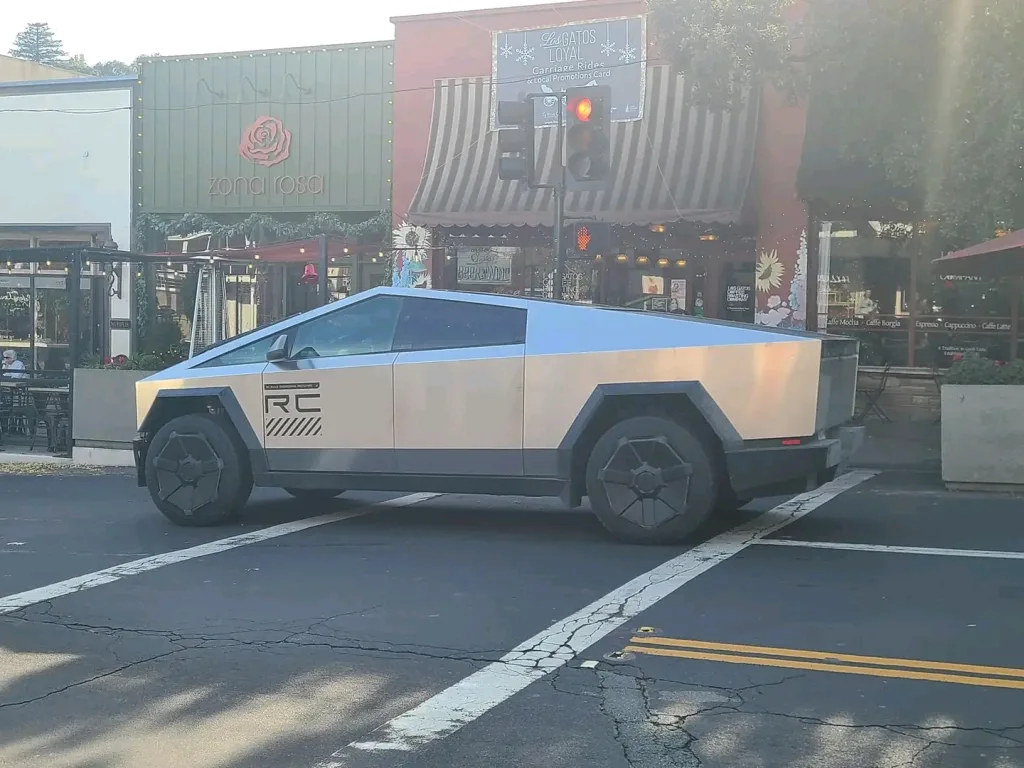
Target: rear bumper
point(773, 470)
point(139, 447)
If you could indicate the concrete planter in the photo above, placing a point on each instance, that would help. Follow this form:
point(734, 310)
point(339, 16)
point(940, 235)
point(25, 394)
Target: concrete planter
point(104, 416)
point(983, 437)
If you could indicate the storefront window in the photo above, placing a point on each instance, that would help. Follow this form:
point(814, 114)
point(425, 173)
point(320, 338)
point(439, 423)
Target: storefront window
point(864, 289)
point(962, 314)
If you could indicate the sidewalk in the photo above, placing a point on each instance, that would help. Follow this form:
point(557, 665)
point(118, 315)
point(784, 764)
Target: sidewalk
point(903, 445)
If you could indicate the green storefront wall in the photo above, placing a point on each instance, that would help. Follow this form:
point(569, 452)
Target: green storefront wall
point(301, 131)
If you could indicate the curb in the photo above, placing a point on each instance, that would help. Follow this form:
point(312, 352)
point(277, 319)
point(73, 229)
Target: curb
point(33, 458)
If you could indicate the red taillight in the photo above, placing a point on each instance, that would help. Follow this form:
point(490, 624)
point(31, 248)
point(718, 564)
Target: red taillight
point(792, 441)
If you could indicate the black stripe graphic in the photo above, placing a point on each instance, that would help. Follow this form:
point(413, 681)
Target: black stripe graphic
point(295, 426)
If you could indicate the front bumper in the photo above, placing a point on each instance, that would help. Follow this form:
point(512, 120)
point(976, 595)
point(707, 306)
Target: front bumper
point(140, 446)
point(771, 469)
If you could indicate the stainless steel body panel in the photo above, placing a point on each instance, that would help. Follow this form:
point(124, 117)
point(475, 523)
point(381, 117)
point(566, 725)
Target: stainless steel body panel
point(447, 401)
point(330, 414)
point(245, 381)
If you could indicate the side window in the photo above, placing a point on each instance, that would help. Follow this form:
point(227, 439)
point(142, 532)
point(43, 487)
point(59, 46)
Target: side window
point(360, 329)
point(442, 324)
point(253, 352)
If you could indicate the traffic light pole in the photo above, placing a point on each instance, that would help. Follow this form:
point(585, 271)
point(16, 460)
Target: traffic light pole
point(556, 281)
point(558, 187)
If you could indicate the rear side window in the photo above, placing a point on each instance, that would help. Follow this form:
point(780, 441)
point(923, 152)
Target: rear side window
point(441, 324)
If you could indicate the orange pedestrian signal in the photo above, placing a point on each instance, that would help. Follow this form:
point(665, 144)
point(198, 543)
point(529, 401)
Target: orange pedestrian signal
point(582, 239)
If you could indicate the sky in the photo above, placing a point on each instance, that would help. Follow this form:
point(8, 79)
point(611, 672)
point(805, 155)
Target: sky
point(102, 30)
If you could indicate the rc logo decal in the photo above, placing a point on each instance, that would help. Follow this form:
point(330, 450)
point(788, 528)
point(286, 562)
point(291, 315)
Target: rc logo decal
point(292, 410)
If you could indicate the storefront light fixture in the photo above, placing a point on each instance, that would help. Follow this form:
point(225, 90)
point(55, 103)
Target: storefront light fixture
point(622, 257)
point(597, 257)
point(302, 250)
point(662, 262)
point(680, 262)
point(256, 256)
point(642, 260)
point(709, 237)
point(658, 228)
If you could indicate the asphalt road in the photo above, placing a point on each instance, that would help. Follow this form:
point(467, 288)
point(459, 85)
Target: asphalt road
point(876, 624)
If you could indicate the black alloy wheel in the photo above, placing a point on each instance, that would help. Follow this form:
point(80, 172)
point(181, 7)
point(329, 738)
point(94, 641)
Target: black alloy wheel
point(651, 481)
point(196, 471)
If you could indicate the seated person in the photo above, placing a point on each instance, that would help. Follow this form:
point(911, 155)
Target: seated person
point(13, 368)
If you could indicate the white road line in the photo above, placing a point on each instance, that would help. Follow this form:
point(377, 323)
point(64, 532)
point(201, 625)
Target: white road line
point(454, 707)
point(993, 554)
point(21, 600)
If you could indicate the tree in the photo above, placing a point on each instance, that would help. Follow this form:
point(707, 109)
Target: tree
point(929, 91)
point(38, 43)
point(723, 46)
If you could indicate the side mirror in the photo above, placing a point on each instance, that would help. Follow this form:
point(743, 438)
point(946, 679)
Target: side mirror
point(278, 350)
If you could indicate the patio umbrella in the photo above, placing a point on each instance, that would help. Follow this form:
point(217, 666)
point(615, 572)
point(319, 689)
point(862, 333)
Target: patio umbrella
point(998, 257)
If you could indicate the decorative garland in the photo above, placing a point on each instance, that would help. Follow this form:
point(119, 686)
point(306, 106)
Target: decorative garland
point(261, 227)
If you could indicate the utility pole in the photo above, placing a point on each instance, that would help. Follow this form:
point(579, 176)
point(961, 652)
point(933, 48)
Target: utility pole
point(559, 185)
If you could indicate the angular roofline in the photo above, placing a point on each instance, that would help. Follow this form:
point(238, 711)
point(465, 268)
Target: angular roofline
point(71, 84)
point(484, 12)
point(267, 51)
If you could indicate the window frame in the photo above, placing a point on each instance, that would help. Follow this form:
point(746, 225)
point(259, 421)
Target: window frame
point(523, 311)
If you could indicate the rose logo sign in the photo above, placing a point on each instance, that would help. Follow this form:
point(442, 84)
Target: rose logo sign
point(266, 142)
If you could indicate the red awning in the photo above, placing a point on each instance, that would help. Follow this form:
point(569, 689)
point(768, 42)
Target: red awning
point(998, 256)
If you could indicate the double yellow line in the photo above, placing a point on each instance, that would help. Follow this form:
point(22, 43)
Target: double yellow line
point(819, 661)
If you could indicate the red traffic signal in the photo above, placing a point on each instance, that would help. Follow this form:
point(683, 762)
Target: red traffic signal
point(582, 108)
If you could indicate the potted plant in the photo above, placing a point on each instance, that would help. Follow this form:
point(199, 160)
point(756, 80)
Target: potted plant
point(983, 425)
point(104, 397)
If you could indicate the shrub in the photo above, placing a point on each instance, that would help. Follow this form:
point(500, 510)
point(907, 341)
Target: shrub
point(974, 369)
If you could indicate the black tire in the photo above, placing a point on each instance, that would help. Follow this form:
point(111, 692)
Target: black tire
point(651, 481)
point(197, 471)
point(313, 494)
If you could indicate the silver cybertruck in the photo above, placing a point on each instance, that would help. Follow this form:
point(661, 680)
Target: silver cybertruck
point(659, 419)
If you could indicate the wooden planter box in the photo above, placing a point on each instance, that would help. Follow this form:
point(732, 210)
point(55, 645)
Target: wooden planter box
point(983, 437)
point(104, 416)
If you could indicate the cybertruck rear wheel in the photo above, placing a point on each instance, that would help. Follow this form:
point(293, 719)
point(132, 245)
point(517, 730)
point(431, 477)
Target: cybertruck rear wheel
point(650, 481)
point(196, 471)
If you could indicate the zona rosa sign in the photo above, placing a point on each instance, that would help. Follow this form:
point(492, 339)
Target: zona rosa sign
point(266, 142)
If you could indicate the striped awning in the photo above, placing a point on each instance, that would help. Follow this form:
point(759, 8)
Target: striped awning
point(680, 162)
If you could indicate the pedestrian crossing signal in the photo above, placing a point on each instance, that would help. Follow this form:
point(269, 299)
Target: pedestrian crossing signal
point(591, 238)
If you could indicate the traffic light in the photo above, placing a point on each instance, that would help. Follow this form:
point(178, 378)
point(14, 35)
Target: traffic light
point(591, 238)
point(587, 145)
point(515, 141)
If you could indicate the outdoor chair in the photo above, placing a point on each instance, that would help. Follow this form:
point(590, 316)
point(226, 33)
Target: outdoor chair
point(870, 396)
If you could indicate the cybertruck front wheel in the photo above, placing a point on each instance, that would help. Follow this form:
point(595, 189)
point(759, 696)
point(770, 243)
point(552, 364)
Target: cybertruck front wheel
point(650, 481)
point(196, 471)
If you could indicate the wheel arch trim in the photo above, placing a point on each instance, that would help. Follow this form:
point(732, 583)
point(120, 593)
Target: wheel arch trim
point(228, 402)
point(694, 392)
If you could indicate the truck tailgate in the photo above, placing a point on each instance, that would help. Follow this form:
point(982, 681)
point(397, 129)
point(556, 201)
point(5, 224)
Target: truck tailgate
point(837, 382)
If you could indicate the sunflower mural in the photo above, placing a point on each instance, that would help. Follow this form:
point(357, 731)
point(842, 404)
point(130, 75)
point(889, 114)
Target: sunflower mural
point(784, 305)
point(769, 271)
